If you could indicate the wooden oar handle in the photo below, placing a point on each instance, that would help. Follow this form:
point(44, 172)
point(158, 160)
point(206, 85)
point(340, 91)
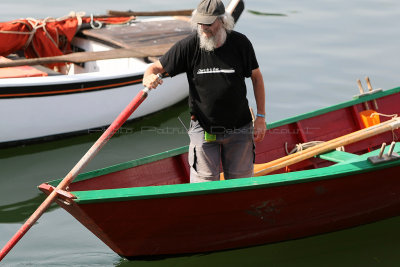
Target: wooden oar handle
point(185, 12)
point(79, 57)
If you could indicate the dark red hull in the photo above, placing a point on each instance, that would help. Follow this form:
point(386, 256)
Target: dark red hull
point(211, 222)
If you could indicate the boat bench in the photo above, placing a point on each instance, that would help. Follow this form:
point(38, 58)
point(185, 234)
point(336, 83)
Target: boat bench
point(338, 156)
point(341, 156)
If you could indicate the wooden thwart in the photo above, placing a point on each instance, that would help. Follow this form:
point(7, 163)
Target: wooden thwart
point(80, 57)
point(263, 169)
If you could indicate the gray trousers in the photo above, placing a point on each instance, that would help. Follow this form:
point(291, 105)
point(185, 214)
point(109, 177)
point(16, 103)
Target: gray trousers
point(234, 149)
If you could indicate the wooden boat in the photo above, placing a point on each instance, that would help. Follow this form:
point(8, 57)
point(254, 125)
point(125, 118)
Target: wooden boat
point(148, 208)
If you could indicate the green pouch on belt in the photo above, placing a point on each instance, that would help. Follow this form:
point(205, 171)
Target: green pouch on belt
point(209, 137)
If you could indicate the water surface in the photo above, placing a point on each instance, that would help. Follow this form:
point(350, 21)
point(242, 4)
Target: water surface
point(310, 58)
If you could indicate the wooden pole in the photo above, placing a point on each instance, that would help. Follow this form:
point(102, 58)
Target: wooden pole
point(263, 169)
point(90, 154)
point(185, 12)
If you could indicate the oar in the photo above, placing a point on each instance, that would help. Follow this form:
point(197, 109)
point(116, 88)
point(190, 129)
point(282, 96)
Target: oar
point(258, 167)
point(122, 117)
point(185, 12)
point(79, 57)
point(263, 169)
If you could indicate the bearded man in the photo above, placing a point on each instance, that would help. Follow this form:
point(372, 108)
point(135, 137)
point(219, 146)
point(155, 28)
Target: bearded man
point(217, 60)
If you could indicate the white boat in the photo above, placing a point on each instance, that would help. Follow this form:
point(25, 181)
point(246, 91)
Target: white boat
point(85, 97)
point(91, 94)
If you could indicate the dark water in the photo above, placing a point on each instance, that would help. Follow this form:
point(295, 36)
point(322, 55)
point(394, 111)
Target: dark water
point(310, 58)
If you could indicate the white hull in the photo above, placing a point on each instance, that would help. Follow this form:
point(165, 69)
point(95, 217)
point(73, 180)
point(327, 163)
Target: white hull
point(35, 117)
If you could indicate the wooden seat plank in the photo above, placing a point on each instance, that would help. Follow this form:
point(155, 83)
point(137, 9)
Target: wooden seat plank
point(338, 156)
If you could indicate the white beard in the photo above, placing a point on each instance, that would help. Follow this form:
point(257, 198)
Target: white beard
point(211, 43)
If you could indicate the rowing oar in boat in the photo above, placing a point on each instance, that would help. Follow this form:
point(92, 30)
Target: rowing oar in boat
point(263, 169)
point(90, 154)
point(258, 167)
point(185, 12)
point(79, 57)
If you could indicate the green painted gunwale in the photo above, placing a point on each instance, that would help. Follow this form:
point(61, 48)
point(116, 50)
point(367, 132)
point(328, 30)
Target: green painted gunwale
point(358, 164)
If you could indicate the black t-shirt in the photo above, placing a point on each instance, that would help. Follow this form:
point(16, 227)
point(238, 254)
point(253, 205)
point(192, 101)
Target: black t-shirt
point(217, 89)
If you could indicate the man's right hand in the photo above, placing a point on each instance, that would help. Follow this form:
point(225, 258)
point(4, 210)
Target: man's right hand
point(151, 81)
point(150, 78)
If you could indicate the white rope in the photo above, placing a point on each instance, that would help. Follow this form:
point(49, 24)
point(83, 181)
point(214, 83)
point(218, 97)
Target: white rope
point(15, 32)
point(73, 14)
point(304, 146)
point(383, 115)
point(92, 22)
point(393, 116)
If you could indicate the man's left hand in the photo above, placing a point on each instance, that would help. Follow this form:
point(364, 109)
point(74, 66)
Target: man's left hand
point(260, 128)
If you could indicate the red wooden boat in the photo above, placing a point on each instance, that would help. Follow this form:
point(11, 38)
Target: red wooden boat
point(147, 208)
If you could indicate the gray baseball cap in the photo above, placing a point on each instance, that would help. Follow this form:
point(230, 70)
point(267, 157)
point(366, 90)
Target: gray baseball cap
point(207, 11)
